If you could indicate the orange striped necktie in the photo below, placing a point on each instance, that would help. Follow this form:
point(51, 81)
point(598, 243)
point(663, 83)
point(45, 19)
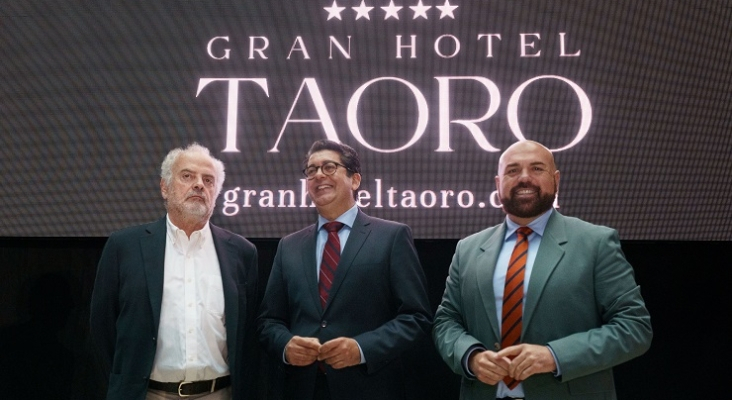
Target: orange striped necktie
point(513, 295)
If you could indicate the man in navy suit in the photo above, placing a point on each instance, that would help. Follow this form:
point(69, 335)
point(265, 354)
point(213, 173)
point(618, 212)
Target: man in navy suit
point(345, 342)
point(174, 301)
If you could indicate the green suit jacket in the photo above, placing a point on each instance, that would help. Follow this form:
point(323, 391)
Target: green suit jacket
point(582, 301)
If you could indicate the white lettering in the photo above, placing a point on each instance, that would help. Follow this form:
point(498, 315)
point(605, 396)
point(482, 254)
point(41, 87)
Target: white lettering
point(562, 52)
point(209, 48)
point(259, 50)
point(422, 112)
point(525, 45)
point(320, 109)
point(299, 45)
point(334, 41)
point(585, 106)
point(412, 46)
point(494, 96)
point(456, 44)
point(233, 105)
point(489, 42)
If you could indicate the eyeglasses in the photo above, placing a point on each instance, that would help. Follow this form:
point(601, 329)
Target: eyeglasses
point(328, 168)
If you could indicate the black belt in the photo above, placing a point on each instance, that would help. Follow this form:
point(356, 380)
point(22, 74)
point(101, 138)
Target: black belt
point(185, 389)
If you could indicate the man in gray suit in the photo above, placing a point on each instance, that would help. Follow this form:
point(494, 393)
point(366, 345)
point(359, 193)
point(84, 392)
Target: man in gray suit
point(574, 312)
point(174, 301)
point(338, 315)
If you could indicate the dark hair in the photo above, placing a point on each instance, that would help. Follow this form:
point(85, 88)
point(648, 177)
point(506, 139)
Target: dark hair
point(349, 157)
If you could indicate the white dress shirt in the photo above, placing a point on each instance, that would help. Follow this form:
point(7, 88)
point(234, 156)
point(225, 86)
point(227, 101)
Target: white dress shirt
point(191, 342)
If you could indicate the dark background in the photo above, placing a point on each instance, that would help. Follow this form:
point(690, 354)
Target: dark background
point(47, 283)
point(94, 93)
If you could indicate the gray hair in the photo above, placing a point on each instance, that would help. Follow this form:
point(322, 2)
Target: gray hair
point(166, 169)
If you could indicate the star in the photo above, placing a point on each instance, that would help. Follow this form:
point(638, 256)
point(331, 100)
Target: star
point(334, 11)
point(392, 10)
point(447, 10)
point(420, 10)
point(362, 10)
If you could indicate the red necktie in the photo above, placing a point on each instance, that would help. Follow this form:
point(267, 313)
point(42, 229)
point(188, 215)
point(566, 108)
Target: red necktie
point(513, 295)
point(331, 256)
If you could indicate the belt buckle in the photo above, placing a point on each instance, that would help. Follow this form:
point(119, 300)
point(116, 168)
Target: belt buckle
point(180, 387)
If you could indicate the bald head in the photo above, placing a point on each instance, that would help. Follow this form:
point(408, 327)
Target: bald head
point(527, 181)
point(527, 148)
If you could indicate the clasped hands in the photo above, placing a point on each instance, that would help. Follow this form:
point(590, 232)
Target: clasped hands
point(518, 362)
point(338, 353)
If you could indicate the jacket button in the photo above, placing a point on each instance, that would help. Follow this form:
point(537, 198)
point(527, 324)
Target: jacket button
point(323, 324)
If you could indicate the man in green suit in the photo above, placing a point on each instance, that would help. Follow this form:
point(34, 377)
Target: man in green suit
point(581, 312)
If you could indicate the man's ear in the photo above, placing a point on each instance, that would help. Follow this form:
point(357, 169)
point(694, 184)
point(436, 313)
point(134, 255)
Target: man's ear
point(163, 189)
point(356, 183)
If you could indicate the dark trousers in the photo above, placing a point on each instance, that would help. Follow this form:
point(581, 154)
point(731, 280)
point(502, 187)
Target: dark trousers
point(322, 392)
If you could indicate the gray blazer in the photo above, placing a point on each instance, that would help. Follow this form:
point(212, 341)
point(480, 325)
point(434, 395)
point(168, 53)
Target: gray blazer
point(582, 300)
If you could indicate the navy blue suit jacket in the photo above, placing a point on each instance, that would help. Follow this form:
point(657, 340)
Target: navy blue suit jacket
point(128, 292)
point(378, 297)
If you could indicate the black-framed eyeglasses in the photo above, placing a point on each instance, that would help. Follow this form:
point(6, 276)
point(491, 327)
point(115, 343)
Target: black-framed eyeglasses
point(328, 168)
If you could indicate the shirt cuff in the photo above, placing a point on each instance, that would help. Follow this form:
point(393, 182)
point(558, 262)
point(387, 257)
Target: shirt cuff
point(363, 358)
point(466, 358)
point(558, 372)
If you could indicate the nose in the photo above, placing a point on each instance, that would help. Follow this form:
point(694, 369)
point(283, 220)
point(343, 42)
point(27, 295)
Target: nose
point(524, 174)
point(198, 183)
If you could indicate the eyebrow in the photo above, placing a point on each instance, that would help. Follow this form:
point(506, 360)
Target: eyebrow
point(543, 164)
point(324, 161)
point(197, 173)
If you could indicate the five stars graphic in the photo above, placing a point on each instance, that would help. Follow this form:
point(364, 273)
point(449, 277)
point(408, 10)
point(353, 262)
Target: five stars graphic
point(447, 10)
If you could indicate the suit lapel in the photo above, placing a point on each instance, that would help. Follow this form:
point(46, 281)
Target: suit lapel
point(308, 261)
point(550, 252)
point(152, 245)
point(226, 254)
point(356, 239)
point(486, 266)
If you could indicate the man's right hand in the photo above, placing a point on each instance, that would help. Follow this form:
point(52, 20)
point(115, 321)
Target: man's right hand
point(488, 367)
point(302, 351)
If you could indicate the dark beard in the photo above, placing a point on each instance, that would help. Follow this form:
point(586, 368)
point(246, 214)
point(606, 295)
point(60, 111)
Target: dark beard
point(528, 208)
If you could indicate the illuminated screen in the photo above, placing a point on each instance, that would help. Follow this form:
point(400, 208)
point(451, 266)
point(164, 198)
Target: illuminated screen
point(632, 96)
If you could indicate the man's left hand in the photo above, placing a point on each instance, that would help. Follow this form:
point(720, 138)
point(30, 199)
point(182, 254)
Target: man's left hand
point(527, 360)
point(340, 353)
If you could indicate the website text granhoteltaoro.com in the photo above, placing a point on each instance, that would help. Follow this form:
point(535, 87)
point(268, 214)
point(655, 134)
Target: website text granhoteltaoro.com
point(379, 195)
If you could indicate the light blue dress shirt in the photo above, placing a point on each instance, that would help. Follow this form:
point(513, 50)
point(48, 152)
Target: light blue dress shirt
point(499, 277)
